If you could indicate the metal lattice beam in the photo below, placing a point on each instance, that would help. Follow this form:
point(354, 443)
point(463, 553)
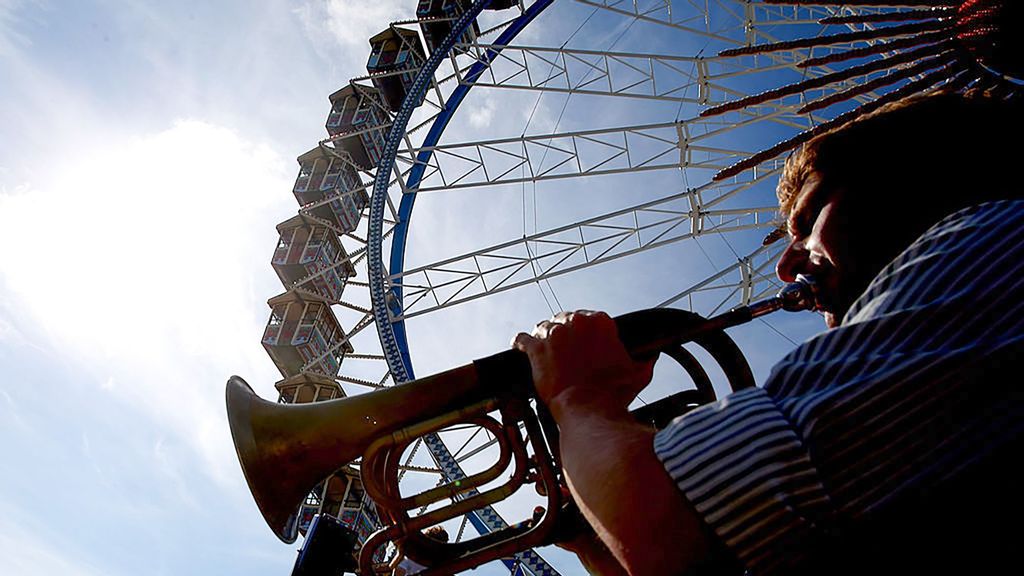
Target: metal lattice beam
point(688, 144)
point(571, 71)
point(692, 22)
point(690, 79)
point(580, 245)
point(750, 278)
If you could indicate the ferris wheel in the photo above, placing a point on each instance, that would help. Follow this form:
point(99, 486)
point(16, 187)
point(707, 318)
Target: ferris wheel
point(606, 148)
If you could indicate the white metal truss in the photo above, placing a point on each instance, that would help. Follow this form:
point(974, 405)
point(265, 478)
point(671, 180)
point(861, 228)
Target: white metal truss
point(751, 21)
point(694, 143)
point(765, 20)
point(751, 278)
point(754, 22)
point(580, 245)
point(692, 79)
point(601, 151)
point(692, 20)
point(574, 71)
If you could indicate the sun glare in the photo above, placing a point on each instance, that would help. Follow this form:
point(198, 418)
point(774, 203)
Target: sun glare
point(140, 260)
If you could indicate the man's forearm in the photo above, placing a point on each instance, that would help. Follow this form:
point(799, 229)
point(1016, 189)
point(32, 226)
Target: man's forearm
point(625, 493)
point(594, 555)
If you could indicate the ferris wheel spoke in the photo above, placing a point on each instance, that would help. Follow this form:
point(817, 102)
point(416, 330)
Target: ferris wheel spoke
point(343, 267)
point(753, 23)
point(765, 15)
point(670, 145)
point(600, 73)
point(478, 449)
point(621, 74)
point(746, 277)
point(309, 208)
point(337, 344)
point(701, 200)
point(565, 250)
point(662, 12)
point(359, 381)
point(757, 276)
point(746, 20)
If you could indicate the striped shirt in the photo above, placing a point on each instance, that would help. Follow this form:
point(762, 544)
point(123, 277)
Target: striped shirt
point(915, 389)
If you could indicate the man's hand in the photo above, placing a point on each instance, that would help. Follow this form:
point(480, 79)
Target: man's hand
point(585, 377)
point(578, 361)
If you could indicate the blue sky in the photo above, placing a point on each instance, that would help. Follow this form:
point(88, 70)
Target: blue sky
point(146, 154)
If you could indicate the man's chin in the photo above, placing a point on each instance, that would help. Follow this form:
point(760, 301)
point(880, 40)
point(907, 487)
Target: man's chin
point(827, 312)
point(833, 306)
point(831, 320)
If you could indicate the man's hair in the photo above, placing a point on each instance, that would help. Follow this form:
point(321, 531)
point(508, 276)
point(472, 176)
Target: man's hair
point(921, 157)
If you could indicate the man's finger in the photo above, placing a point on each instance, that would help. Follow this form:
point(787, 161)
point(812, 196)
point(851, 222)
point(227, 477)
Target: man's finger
point(522, 341)
point(546, 328)
point(562, 317)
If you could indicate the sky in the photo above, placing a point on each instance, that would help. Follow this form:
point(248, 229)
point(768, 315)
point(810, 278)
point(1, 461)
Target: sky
point(146, 154)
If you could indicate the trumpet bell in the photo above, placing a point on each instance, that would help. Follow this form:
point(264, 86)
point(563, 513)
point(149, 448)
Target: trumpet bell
point(287, 450)
point(284, 452)
point(257, 465)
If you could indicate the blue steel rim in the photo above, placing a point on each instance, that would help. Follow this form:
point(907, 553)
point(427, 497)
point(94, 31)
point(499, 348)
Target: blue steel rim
point(401, 231)
point(392, 335)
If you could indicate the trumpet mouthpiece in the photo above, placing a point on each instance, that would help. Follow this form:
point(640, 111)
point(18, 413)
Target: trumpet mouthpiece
point(799, 295)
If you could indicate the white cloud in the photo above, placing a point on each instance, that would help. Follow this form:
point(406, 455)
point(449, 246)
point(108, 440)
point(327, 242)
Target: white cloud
point(351, 24)
point(480, 116)
point(140, 261)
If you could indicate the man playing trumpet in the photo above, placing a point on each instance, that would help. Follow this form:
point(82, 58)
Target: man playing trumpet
point(886, 444)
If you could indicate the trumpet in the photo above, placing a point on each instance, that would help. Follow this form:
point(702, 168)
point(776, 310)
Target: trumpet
point(286, 450)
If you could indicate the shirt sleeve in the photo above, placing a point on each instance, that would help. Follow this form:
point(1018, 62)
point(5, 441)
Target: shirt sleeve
point(899, 398)
point(743, 467)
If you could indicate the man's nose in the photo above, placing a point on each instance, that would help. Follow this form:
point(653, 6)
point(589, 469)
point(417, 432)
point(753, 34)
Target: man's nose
point(792, 262)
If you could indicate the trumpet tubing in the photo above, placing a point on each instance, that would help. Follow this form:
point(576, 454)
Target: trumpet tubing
point(286, 450)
